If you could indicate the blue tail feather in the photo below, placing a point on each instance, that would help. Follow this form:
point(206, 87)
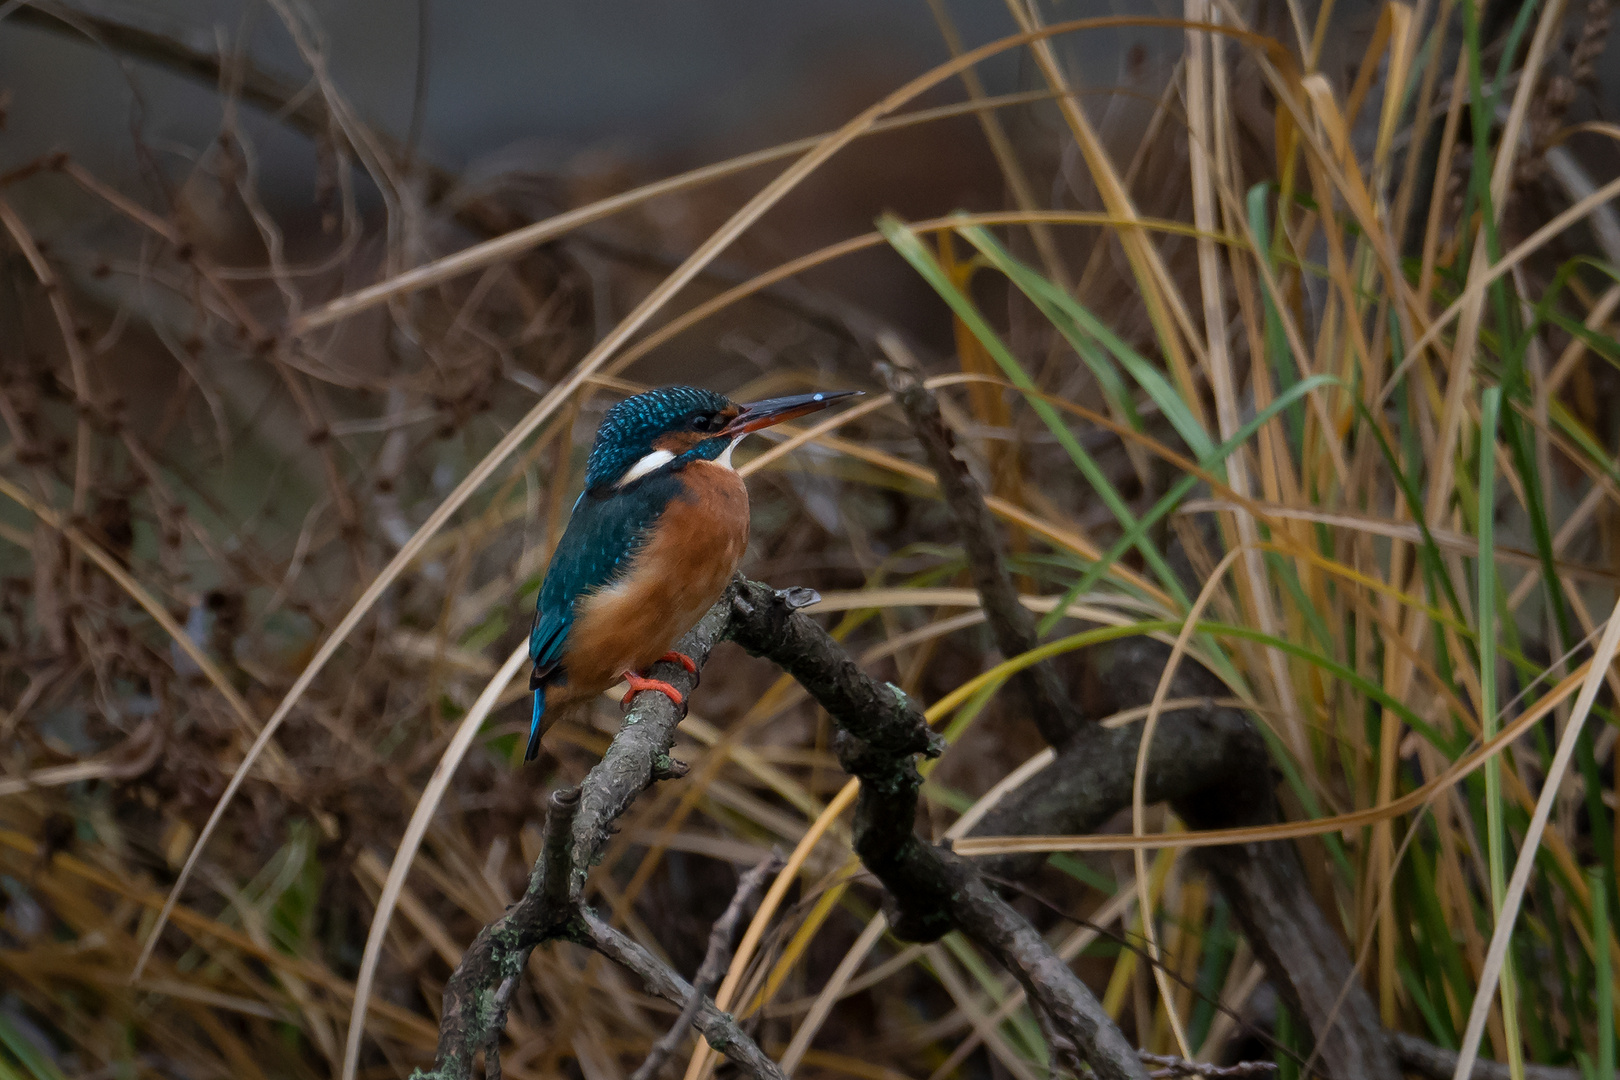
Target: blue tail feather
point(534, 725)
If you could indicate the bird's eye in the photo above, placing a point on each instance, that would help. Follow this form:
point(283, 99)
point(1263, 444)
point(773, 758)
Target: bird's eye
point(702, 422)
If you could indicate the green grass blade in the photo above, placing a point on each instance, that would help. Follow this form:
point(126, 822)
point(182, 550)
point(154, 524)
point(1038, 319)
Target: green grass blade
point(1070, 317)
point(1100, 635)
point(34, 1063)
point(1495, 830)
point(1276, 340)
point(1177, 492)
point(921, 259)
point(1604, 974)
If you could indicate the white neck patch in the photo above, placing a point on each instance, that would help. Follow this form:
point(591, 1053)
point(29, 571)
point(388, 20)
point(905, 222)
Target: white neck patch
point(655, 460)
point(725, 458)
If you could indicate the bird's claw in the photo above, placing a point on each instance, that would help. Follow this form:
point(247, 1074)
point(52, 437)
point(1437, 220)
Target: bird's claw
point(686, 662)
point(638, 683)
point(681, 659)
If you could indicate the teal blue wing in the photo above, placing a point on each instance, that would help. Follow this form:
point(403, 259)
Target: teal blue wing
point(606, 530)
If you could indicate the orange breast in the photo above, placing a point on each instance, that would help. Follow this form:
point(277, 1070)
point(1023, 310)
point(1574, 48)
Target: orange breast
point(694, 550)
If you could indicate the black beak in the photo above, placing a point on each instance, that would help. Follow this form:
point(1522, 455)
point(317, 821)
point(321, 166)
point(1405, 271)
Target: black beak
point(762, 414)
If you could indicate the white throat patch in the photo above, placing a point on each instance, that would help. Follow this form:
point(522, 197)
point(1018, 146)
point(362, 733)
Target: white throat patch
point(655, 460)
point(725, 458)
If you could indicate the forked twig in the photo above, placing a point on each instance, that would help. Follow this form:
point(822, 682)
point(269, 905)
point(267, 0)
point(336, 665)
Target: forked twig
point(719, 1028)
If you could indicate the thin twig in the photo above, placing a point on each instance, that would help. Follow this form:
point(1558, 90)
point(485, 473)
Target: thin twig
point(715, 961)
point(1044, 697)
point(1170, 1066)
point(719, 1028)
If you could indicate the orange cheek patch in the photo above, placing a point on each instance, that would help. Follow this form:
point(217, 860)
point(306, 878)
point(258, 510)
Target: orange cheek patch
point(678, 442)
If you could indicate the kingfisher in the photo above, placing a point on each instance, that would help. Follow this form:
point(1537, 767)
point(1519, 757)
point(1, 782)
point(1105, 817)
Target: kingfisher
point(651, 544)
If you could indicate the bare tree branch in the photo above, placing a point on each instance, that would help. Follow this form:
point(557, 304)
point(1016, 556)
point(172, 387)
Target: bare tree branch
point(1039, 689)
point(1438, 1063)
point(880, 734)
point(480, 988)
point(1209, 762)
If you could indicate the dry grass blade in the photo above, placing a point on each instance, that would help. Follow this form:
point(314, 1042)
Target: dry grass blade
point(1117, 907)
point(1473, 301)
point(1502, 935)
point(1164, 306)
point(1454, 773)
point(831, 991)
point(1204, 157)
point(399, 869)
point(794, 267)
point(703, 1060)
point(1139, 787)
point(1479, 283)
point(519, 241)
point(984, 1029)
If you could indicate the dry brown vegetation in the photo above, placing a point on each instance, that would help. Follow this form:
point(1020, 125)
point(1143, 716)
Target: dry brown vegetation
point(279, 489)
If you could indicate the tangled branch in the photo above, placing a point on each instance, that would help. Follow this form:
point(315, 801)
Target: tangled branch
point(930, 891)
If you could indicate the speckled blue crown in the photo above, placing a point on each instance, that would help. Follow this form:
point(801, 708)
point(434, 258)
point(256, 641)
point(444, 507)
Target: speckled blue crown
point(629, 428)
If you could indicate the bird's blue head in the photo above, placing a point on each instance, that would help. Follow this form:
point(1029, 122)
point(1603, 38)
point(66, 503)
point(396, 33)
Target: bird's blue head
point(672, 426)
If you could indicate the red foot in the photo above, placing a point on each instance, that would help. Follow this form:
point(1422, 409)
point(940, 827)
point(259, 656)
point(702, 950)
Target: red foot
point(638, 683)
point(681, 659)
